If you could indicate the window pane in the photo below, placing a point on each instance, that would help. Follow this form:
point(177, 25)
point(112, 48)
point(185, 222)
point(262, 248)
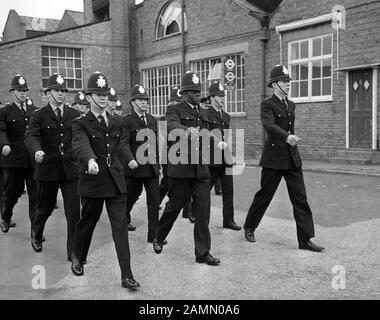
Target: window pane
point(70, 83)
point(62, 72)
point(304, 49)
point(45, 72)
point(294, 51)
point(303, 85)
point(70, 63)
point(54, 52)
point(54, 62)
point(316, 87)
point(61, 52)
point(61, 63)
point(295, 69)
point(317, 47)
point(295, 89)
point(326, 87)
point(304, 71)
point(78, 73)
point(45, 51)
point(327, 45)
point(327, 68)
point(54, 70)
point(70, 73)
point(45, 83)
point(316, 72)
point(70, 53)
point(78, 63)
point(77, 53)
point(45, 62)
point(78, 84)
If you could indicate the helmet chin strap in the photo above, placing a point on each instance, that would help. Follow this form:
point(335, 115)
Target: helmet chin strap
point(141, 110)
point(18, 98)
point(281, 89)
point(96, 103)
point(51, 94)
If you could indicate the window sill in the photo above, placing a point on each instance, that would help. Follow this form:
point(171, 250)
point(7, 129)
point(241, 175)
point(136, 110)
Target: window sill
point(237, 114)
point(168, 37)
point(311, 100)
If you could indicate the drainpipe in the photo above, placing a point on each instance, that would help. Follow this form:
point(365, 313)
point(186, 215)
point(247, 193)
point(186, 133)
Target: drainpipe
point(183, 37)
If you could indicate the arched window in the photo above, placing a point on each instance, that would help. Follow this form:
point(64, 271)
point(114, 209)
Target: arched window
point(170, 20)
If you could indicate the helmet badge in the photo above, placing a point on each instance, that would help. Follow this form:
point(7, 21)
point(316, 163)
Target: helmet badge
point(21, 81)
point(284, 70)
point(141, 89)
point(195, 79)
point(60, 80)
point(101, 82)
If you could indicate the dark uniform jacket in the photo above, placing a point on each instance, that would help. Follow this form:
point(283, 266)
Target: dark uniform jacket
point(219, 158)
point(91, 140)
point(46, 134)
point(182, 117)
point(134, 126)
point(13, 123)
point(279, 124)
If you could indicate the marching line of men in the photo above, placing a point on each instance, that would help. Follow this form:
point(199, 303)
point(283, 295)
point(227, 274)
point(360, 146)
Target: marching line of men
point(90, 152)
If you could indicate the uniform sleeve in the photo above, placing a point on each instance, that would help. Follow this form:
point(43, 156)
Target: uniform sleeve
point(125, 141)
point(3, 128)
point(81, 145)
point(173, 120)
point(269, 122)
point(33, 134)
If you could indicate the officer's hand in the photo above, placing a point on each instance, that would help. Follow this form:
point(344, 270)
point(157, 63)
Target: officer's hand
point(222, 145)
point(133, 164)
point(39, 156)
point(93, 168)
point(6, 150)
point(193, 132)
point(293, 140)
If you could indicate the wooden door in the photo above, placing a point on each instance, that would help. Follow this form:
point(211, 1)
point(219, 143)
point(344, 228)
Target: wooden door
point(360, 106)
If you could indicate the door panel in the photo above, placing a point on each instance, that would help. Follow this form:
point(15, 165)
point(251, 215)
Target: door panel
point(360, 105)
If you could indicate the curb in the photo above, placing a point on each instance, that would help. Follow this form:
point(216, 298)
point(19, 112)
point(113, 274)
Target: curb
point(316, 170)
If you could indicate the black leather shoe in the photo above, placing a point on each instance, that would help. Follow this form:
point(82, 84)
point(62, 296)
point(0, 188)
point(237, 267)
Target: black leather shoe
point(218, 193)
point(208, 259)
point(130, 283)
point(308, 245)
point(192, 219)
point(157, 246)
point(250, 235)
point(231, 225)
point(12, 224)
point(131, 227)
point(4, 226)
point(43, 239)
point(164, 243)
point(36, 244)
point(76, 267)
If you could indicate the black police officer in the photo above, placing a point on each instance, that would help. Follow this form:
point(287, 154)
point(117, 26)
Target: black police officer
point(18, 166)
point(219, 121)
point(281, 159)
point(48, 139)
point(142, 164)
point(98, 137)
point(188, 175)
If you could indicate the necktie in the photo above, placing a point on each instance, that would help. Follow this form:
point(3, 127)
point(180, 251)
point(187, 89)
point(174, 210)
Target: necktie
point(59, 114)
point(285, 103)
point(22, 106)
point(143, 119)
point(102, 121)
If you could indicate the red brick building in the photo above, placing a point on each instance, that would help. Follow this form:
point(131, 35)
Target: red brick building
point(334, 66)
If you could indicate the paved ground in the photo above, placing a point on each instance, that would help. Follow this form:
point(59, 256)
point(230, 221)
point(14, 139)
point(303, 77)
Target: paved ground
point(347, 220)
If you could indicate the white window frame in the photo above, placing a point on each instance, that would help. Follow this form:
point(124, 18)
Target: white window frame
point(178, 21)
point(231, 100)
point(309, 60)
point(159, 94)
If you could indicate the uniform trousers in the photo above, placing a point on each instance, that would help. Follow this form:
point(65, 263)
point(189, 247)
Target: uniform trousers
point(91, 211)
point(46, 198)
point(14, 183)
point(227, 191)
point(134, 189)
point(180, 192)
point(270, 179)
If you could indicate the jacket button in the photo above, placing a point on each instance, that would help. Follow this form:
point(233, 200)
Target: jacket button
point(93, 136)
point(272, 144)
point(108, 144)
point(106, 134)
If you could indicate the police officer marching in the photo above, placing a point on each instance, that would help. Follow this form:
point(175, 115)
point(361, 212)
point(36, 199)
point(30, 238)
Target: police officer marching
point(219, 121)
point(281, 159)
point(142, 165)
point(18, 167)
point(189, 177)
point(112, 102)
point(118, 112)
point(98, 138)
point(80, 103)
point(48, 138)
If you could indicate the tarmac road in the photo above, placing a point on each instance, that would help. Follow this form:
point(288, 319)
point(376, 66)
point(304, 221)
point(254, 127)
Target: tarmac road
point(347, 219)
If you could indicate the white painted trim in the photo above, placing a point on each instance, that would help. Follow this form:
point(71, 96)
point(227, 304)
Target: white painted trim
point(304, 23)
point(217, 52)
point(160, 62)
point(374, 109)
point(347, 110)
